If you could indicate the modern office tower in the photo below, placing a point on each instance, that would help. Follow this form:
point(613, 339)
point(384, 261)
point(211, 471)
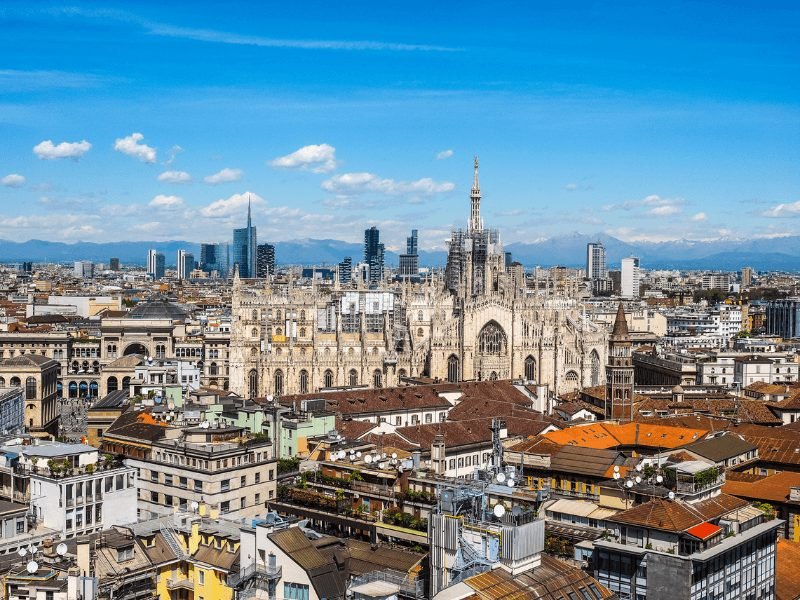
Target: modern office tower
point(244, 248)
point(747, 277)
point(155, 264)
point(346, 270)
point(83, 268)
point(630, 277)
point(214, 257)
point(409, 262)
point(113, 264)
point(508, 261)
point(596, 271)
point(373, 254)
point(185, 264)
point(783, 318)
point(265, 261)
point(26, 267)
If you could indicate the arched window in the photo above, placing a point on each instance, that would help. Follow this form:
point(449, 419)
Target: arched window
point(112, 384)
point(302, 332)
point(452, 369)
point(253, 383)
point(72, 389)
point(278, 331)
point(2, 382)
point(302, 315)
point(254, 332)
point(572, 380)
point(126, 383)
point(401, 373)
point(530, 368)
point(377, 378)
point(253, 352)
point(328, 378)
point(254, 315)
point(30, 388)
point(353, 376)
point(594, 361)
point(303, 381)
point(493, 376)
point(15, 382)
point(212, 369)
point(492, 339)
point(278, 389)
point(83, 389)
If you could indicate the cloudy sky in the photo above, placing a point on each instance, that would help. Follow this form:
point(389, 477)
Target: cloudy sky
point(148, 121)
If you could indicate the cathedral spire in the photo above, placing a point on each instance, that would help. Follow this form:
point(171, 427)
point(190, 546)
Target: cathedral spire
point(475, 223)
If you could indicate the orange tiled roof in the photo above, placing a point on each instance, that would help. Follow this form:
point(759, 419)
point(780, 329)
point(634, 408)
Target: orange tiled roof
point(773, 488)
point(609, 435)
point(787, 571)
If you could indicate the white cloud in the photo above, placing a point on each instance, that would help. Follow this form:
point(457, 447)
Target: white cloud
point(175, 177)
point(361, 183)
point(318, 158)
point(578, 187)
point(698, 217)
point(13, 180)
point(47, 150)
point(166, 202)
point(784, 210)
point(224, 176)
point(234, 205)
point(131, 146)
point(444, 154)
point(172, 155)
point(664, 210)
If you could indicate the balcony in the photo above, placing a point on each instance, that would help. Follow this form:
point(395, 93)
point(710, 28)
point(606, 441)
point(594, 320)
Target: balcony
point(372, 489)
point(180, 584)
point(261, 573)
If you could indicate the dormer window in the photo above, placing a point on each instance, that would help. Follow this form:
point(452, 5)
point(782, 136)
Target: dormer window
point(125, 553)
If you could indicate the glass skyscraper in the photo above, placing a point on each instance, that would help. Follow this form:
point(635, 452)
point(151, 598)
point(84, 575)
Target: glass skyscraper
point(244, 248)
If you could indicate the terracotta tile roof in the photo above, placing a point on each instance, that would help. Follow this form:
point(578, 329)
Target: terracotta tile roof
point(721, 447)
point(772, 488)
point(353, 429)
point(552, 579)
point(677, 516)
point(787, 571)
point(739, 476)
point(746, 410)
point(536, 445)
point(610, 435)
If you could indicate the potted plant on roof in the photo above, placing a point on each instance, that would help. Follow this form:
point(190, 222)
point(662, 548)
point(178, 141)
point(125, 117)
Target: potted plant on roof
point(54, 467)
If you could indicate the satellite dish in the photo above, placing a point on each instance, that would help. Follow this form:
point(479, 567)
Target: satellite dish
point(659, 479)
point(616, 475)
point(333, 457)
point(368, 458)
point(510, 483)
point(158, 399)
point(638, 479)
point(270, 397)
point(382, 466)
point(616, 468)
point(499, 510)
point(204, 424)
point(501, 477)
point(61, 549)
point(342, 453)
point(400, 469)
point(629, 483)
point(21, 552)
point(671, 495)
point(394, 454)
point(32, 567)
point(358, 454)
point(383, 455)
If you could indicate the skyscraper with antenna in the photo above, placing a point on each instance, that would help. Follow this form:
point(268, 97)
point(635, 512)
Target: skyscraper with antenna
point(244, 247)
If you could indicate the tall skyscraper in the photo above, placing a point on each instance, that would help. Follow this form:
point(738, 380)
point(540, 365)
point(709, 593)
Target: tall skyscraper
point(244, 248)
point(596, 271)
point(83, 268)
point(373, 254)
point(630, 277)
point(265, 262)
point(409, 262)
point(113, 264)
point(185, 264)
point(346, 270)
point(747, 277)
point(214, 257)
point(155, 264)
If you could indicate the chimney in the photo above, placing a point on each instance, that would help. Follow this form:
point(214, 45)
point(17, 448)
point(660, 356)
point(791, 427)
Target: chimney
point(83, 557)
point(47, 546)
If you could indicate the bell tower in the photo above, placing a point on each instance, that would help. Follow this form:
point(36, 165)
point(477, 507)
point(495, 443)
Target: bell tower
point(619, 371)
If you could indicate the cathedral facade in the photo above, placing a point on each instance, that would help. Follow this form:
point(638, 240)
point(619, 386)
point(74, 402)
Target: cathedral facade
point(480, 321)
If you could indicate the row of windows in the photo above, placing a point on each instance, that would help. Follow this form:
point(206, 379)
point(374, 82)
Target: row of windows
point(224, 507)
point(224, 463)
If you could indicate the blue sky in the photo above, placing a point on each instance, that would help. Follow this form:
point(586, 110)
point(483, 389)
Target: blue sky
point(154, 121)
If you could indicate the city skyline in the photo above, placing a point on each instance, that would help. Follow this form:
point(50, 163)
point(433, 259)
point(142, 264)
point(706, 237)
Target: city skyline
point(645, 128)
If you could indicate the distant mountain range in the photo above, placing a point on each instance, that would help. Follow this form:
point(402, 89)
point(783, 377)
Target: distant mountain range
point(569, 250)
